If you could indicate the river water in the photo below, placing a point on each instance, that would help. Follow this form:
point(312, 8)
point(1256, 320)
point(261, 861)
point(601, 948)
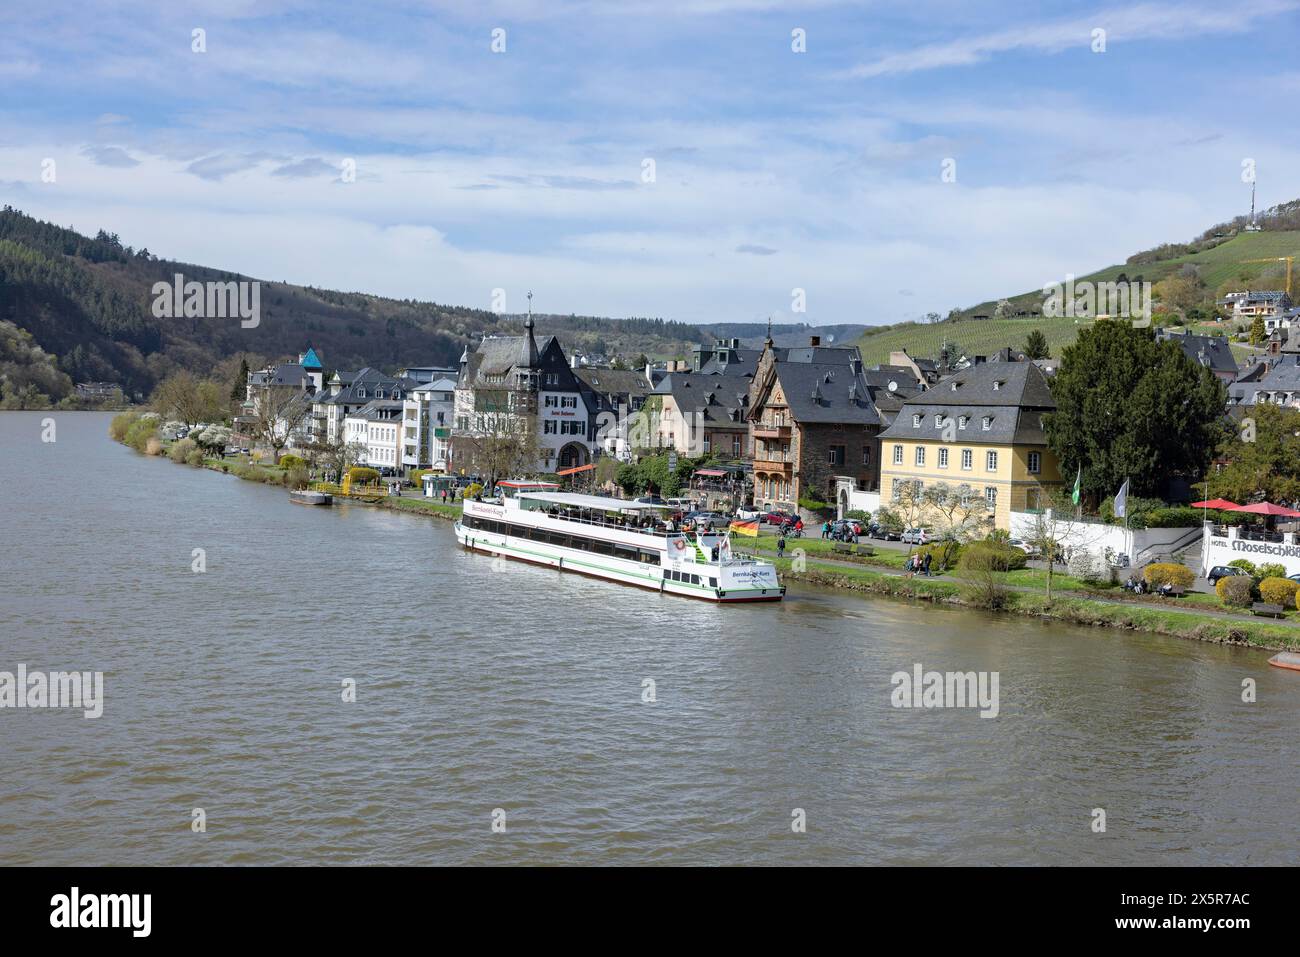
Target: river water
point(485, 687)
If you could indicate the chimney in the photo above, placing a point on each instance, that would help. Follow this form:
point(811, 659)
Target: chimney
point(814, 341)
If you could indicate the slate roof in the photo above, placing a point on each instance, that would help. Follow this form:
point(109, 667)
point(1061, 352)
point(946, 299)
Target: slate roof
point(718, 398)
point(380, 410)
point(615, 381)
point(1283, 377)
point(740, 362)
point(369, 380)
point(1014, 396)
point(1213, 352)
point(284, 374)
point(498, 355)
point(822, 392)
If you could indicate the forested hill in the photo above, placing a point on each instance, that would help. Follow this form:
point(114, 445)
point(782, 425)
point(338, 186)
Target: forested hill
point(86, 302)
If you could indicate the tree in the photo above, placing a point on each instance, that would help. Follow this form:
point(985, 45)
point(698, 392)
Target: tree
point(191, 400)
point(278, 414)
point(1263, 457)
point(1052, 529)
point(1257, 331)
point(1129, 407)
point(1036, 345)
point(957, 516)
point(502, 441)
point(907, 504)
point(239, 386)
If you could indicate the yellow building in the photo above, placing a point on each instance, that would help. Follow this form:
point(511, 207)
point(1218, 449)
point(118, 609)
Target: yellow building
point(981, 428)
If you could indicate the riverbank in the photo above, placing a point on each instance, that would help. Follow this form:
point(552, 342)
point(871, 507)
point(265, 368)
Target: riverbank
point(1130, 616)
point(882, 575)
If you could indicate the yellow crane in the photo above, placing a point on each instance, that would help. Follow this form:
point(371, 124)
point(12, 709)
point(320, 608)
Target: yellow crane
point(1278, 259)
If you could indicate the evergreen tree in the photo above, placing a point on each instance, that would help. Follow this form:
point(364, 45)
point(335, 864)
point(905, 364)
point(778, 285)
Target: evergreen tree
point(1129, 407)
point(239, 388)
point(1036, 345)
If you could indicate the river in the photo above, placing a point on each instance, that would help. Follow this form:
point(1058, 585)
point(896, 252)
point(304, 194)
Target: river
point(485, 687)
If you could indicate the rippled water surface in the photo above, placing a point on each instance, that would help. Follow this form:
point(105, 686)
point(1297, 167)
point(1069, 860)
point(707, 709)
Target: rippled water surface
point(484, 687)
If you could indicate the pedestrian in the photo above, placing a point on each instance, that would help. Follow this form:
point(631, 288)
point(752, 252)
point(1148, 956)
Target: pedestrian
point(826, 529)
point(925, 564)
point(780, 546)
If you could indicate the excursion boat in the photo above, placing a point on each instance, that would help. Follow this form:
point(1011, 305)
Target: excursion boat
point(633, 542)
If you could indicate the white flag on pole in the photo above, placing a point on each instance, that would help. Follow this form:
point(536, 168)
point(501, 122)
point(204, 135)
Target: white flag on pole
point(1121, 501)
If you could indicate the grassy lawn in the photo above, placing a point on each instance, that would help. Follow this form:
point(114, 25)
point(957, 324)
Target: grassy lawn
point(418, 503)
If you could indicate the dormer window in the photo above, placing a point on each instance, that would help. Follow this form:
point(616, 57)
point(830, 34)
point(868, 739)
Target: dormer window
point(916, 420)
point(987, 422)
point(938, 420)
point(962, 420)
point(996, 385)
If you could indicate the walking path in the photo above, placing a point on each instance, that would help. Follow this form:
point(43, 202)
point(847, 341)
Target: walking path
point(1156, 603)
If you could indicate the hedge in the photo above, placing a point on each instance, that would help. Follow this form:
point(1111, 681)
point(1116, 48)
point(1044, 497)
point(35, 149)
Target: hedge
point(1279, 591)
point(292, 462)
point(1003, 558)
point(1236, 591)
point(1167, 573)
point(361, 475)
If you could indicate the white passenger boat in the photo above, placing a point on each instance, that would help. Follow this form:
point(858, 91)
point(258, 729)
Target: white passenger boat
point(633, 542)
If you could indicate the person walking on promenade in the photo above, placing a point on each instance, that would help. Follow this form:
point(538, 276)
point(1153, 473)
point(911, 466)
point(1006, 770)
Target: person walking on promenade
point(925, 565)
point(780, 546)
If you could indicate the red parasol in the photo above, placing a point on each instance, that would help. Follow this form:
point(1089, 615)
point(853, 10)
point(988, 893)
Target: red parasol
point(1215, 503)
point(1266, 508)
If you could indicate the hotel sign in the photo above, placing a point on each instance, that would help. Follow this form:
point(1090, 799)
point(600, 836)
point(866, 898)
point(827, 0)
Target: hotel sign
point(1259, 548)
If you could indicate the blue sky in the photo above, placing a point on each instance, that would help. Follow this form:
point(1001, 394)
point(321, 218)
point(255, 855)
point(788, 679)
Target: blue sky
point(773, 170)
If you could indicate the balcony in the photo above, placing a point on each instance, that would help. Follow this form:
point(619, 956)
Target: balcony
point(763, 430)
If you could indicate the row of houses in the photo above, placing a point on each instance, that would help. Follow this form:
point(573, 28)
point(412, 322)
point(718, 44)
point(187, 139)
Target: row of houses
point(805, 423)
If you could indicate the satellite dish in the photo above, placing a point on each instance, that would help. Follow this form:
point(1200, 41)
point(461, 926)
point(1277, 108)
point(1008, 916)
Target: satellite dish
point(893, 386)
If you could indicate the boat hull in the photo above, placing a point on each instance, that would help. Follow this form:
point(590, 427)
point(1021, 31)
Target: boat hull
point(638, 574)
point(1286, 659)
point(307, 497)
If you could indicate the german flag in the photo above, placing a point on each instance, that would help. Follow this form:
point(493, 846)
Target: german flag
point(745, 528)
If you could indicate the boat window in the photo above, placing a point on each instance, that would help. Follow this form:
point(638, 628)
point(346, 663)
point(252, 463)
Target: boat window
point(651, 557)
point(560, 539)
point(602, 548)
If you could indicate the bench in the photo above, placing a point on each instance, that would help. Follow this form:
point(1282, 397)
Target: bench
point(1264, 608)
point(843, 548)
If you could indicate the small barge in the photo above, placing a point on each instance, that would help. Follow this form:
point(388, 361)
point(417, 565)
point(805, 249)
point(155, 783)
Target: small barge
point(306, 496)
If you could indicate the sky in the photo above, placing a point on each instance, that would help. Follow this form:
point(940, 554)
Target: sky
point(699, 160)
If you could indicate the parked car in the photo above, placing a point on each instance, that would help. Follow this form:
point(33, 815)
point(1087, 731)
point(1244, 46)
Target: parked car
point(1224, 571)
point(749, 513)
point(779, 517)
point(883, 533)
point(1030, 549)
point(916, 536)
point(707, 520)
point(841, 526)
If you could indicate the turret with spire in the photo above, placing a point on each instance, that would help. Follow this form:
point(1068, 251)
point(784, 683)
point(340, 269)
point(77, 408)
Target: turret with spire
point(528, 351)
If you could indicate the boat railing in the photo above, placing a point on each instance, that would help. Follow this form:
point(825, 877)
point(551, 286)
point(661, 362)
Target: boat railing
point(658, 531)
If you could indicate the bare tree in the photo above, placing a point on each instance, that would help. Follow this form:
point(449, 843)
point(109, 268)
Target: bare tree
point(1052, 530)
point(188, 399)
point(958, 515)
point(502, 438)
point(278, 414)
